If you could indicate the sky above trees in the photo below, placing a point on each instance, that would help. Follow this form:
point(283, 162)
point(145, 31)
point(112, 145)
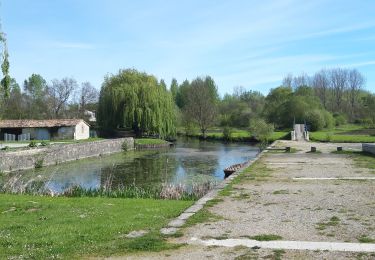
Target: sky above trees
point(253, 44)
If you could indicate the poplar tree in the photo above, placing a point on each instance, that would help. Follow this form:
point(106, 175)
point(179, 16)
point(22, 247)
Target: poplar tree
point(5, 81)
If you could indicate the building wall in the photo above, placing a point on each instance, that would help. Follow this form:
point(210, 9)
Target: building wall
point(59, 153)
point(65, 132)
point(82, 131)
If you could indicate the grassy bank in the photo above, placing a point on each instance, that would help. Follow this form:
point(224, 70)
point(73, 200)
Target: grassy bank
point(237, 135)
point(345, 134)
point(149, 141)
point(33, 227)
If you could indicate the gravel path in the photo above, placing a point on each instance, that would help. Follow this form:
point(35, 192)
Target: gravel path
point(317, 210)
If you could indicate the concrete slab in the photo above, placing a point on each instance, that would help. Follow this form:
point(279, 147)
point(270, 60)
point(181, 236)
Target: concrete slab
point(295, 245)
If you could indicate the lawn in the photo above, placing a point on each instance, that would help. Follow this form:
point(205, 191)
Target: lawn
point(345, 134)
point(35, 227)
point(241, 135)
point(146, 141)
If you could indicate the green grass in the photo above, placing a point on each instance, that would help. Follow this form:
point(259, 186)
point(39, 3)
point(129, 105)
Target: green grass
point(366, 239)
point(33, 227)
point(345, 134)
point(361, 159)
point(146, 141)
point(238, 135)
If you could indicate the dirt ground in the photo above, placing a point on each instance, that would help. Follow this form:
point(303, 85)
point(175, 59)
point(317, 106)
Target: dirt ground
point(296, 210)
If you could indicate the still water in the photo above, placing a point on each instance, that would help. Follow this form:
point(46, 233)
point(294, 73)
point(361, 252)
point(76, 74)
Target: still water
point(190, 161)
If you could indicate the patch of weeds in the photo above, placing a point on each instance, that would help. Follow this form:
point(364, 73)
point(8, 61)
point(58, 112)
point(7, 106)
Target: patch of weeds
point(38, 163)
point(333, 221)
point(33, 144)
point(250, 255)
point(175, 235)
point(221, 237)
point(277, 254)
point(366, 239)
point(213, 202)
point(265, 237)
point(150, 242)
point(242, 196)
point(269, 204)
point(202, 216)
point(276, 192)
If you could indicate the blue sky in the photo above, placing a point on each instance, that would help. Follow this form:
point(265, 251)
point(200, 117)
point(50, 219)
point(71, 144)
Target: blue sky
point(246, 43)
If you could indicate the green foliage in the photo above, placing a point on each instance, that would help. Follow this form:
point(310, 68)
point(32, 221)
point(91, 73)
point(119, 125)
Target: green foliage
point(142, 141)
point(44, 143)
point(125, 146)
point(315, 119)
point(329, 121)
point(38, 227)
point(6, 80)
point(266, 237)
point(33, 144)
point(340, 119)
point(201, 103)
point(38, 163)
point(261, 130)
point(227, 133)
point(135, 100)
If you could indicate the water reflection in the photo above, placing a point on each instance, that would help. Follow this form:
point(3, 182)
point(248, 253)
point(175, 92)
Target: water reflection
point(188, 162)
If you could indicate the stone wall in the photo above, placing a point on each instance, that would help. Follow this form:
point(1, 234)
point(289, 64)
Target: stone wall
point(369, 148)
point(59, 153)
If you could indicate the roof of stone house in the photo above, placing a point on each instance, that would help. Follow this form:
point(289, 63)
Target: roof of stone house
point(39, 123)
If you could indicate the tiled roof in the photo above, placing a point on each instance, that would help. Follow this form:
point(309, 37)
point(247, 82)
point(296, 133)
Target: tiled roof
point(39, 123)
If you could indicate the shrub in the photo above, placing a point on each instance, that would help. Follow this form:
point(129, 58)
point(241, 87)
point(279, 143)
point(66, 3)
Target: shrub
point(227, 133)
point(33, 144)
point(329, 137)
point(125, 146)
point(38, 163)
point(261, 130)
point(339, 119)
point(328, 120)
point(315, 119)
point(5, 148)
point(44, 143)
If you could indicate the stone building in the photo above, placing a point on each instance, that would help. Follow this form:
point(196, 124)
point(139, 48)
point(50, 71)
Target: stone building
point(56, 129)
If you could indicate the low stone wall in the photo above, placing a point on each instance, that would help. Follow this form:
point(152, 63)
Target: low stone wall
point(369, 148)
point(55, 154)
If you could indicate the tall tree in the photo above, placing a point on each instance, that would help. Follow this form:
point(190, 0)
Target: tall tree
point(174, 89)
point(6, 80)
point(355, 82)
point(36, 97)
point(339, 79)
point(202, 100)
point(320, 83)
point(135, 100)
point(88, 94)
point(60, 91)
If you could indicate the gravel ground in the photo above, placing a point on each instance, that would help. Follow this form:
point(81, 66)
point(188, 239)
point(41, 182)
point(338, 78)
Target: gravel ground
point(297, 210)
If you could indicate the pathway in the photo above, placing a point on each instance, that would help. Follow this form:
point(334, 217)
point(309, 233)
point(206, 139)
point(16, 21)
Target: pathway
point(320, 205)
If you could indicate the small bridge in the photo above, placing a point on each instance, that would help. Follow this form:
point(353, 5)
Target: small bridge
point(299, 133)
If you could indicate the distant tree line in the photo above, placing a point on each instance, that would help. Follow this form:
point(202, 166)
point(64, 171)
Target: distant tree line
point(140, 102)
point(38, 99)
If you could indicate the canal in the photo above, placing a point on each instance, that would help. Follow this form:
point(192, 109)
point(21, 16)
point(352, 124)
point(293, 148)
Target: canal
point(191, 161)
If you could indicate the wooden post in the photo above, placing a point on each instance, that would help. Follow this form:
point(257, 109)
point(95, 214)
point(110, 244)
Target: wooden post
point(287, 149)
point(339, 148)
point(313, 149)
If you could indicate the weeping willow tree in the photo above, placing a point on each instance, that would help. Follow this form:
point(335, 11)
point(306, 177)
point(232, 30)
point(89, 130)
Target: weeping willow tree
point(135, 100)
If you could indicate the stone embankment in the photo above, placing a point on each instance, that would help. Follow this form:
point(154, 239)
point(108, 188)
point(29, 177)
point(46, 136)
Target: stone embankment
point(368, 148)
point(59, 153)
